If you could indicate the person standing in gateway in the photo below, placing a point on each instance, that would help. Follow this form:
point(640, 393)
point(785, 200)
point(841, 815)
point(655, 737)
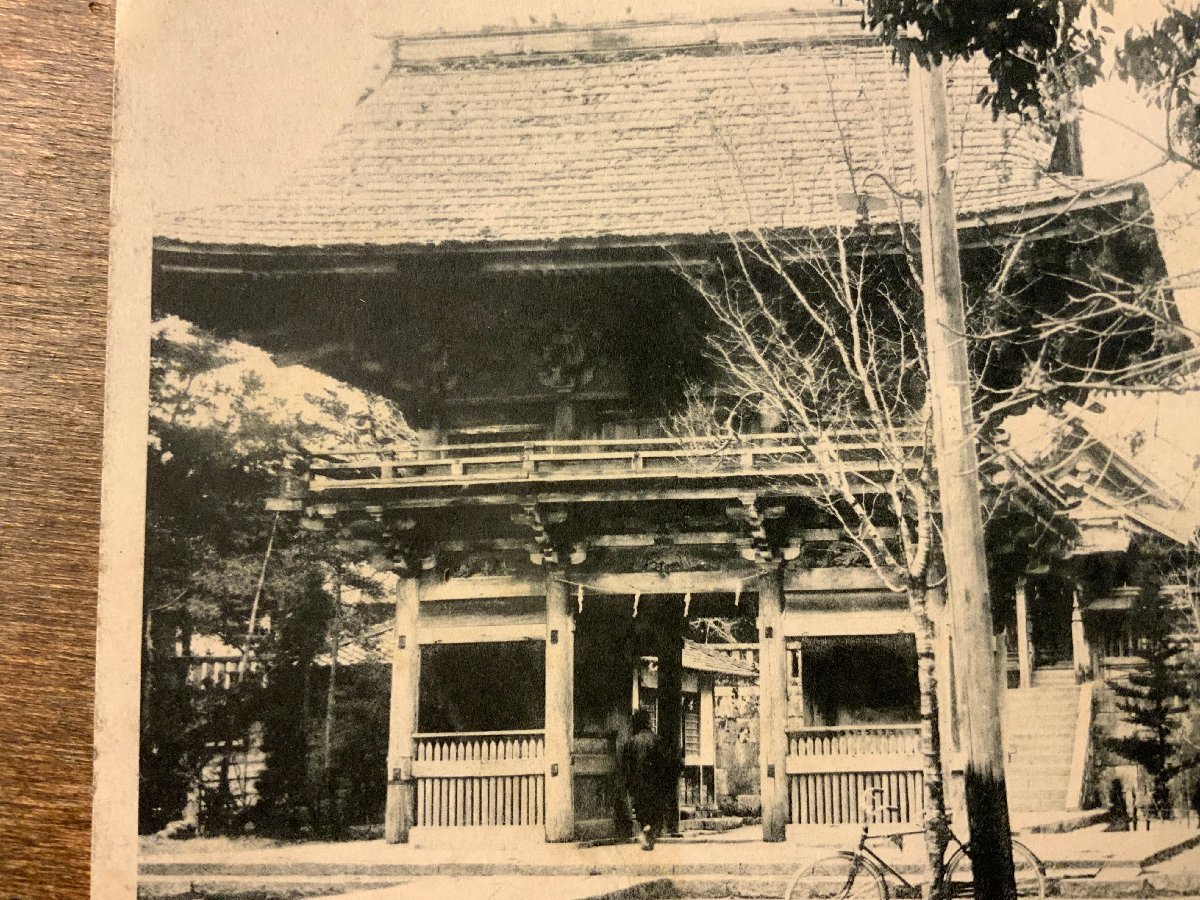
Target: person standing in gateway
point(649, 775)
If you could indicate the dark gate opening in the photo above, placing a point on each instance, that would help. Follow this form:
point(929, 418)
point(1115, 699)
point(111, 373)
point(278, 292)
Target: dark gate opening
point(860, 680)
point(497, 686)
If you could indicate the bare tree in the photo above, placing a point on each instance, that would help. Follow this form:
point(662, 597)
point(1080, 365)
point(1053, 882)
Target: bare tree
point(817, 333)
point(823, 335)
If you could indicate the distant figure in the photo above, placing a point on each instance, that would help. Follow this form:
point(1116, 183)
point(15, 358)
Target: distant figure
point(647, 772)
point(1118, 809)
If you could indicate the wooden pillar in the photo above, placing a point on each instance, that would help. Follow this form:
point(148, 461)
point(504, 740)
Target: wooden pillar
point(1081, 653)
point(1024, 635)
point(402, 723)
point(560, 710)
point(958, 485)
point(669, 642)
point(772, 707)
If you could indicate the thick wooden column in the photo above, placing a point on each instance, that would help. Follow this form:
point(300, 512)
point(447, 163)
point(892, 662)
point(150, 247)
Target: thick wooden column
point(1081, 653)
point(772, 706)
point(958, 485)
point(402, 723)
point(1024, 635)
point(560, 710)
point(670, 693)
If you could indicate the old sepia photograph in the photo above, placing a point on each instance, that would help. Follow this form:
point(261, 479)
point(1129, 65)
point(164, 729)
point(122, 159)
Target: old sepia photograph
point(664, 449)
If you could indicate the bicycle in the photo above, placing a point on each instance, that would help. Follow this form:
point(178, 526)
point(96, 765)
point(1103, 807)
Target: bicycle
point(863, 873)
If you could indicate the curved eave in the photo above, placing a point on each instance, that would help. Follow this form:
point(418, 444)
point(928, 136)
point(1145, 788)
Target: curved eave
point(656, 249)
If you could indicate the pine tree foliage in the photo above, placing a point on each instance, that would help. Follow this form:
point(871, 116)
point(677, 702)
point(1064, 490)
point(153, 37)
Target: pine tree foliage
point(1153, 698)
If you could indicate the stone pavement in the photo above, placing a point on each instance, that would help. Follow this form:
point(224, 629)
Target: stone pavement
point(524, 887)
point(499, 866)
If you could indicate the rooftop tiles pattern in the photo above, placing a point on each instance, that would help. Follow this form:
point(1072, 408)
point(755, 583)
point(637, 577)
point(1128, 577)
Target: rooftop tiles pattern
point(649, 144)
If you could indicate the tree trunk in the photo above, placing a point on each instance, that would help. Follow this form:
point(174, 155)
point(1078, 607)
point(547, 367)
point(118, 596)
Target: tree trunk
point(335, 639)
point(933, 810)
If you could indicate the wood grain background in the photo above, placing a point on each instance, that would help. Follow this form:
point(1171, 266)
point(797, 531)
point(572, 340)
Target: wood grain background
point(55, 110)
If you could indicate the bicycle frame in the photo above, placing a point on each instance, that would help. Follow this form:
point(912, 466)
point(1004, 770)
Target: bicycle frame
point(863, 850)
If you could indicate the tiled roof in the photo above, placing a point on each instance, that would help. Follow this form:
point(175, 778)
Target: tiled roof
point(1114, 463)
point(710, 658)
point(681, 142)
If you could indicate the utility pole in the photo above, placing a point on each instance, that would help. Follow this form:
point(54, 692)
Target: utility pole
point(958, 486)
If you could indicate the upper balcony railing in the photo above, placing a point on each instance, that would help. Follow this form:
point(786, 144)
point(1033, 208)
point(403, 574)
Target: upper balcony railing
point(786, 454)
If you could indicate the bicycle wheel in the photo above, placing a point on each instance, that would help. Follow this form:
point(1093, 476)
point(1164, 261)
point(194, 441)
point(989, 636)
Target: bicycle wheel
point(1029, 871)
point(843, 876)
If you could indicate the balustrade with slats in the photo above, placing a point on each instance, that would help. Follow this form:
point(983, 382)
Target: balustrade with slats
point(564, 460)
point(480, 778)
point(832, 769)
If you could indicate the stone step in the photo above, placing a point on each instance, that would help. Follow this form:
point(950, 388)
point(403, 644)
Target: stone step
point(1058, 698)
point(1068, 700)
point(1026, 731)
point(1040, 748)
point(1041, 762)
point(1017, 736)
point(1036, 776)
point(1046, 712)
point(1039, 754)
point(1032, 733)
point(1030, 795)
point(1051, 745)
point(1064, 701)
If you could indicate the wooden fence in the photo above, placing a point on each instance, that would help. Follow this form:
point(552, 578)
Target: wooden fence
point(835, 772)
point(480, 778)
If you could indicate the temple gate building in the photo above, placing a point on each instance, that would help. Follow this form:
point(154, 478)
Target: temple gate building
point(494, 240)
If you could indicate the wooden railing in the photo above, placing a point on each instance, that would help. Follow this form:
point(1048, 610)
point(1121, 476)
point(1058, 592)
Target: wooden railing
point(855, 740)
point(834, 772)
point(480, 778)
point(223, 671)
point(758, 454)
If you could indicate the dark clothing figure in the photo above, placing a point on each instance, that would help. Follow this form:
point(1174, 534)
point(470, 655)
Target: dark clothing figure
point(647, 771)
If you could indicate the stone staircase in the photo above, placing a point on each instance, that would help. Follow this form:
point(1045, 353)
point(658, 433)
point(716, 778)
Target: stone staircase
point(1039, 737)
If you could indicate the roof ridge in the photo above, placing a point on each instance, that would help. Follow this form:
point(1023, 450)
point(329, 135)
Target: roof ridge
point(599, 56)
point(808, 12)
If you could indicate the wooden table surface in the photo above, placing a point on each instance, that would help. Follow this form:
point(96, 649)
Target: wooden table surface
point(55, 110)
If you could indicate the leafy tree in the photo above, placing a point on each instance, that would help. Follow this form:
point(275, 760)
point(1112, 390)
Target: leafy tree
point(1042, 55)
point(217, 563)
point(1153, 697)
point(1160, 61)
point(1026, 44)
point(358, 764)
